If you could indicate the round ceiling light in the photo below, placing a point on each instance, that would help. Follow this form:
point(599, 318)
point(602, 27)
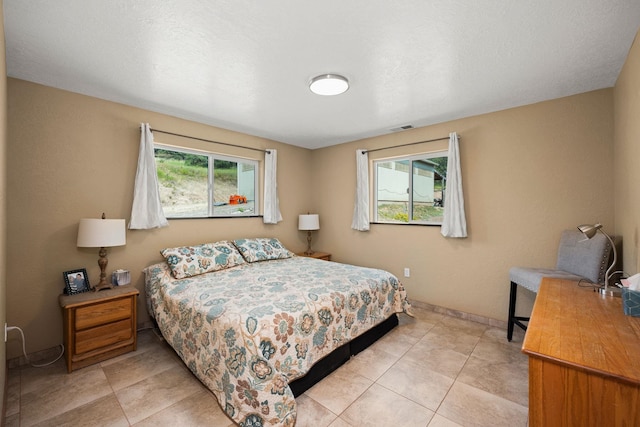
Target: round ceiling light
point(329, 84)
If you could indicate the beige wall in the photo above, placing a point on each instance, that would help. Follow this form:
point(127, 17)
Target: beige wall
point(627, 158)
point(3, 210)
point(528, 174)
point(74, 156)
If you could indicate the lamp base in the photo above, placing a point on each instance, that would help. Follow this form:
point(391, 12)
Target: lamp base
point(610, 292)
point(102, 263)
point(309, 251)
point(102, 286)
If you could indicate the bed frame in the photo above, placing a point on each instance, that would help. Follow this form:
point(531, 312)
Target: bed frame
point(340, 355)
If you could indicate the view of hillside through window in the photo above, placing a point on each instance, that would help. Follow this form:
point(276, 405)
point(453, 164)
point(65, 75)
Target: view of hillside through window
point(185, 192)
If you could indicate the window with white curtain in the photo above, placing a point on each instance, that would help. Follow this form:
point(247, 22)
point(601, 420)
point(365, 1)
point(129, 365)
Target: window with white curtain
point(199, 184)
point(410, 190)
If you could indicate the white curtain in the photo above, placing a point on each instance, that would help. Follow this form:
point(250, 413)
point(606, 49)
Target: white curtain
point(271, 203)
point(454, 223)
point(146, 211)
point(360, 220)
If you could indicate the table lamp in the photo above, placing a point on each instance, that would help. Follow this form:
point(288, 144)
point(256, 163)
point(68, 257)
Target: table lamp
point(590, 230)
point(309, 222)
point(101, 233)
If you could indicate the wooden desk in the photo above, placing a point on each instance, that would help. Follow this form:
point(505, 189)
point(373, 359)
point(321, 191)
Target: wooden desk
point(584, 359)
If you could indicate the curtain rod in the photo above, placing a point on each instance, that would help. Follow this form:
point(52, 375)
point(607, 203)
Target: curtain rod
point(208, 140)
point(404, 145)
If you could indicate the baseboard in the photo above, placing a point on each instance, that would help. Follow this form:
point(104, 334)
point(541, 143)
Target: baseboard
point(45, 355)
point(37, 357)
point(502, 324)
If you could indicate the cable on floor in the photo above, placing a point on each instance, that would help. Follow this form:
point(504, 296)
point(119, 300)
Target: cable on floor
point(24, 350)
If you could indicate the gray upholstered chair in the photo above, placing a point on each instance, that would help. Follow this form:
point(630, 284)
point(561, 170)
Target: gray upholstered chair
point(579, 258)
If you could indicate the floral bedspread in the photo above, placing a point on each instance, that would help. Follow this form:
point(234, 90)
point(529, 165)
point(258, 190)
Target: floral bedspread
point(247, 331)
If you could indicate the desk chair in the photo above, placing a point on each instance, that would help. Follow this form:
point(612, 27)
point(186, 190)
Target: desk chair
point(579, 259)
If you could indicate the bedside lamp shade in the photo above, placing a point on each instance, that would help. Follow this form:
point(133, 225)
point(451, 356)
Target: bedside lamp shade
point(309, 222)
point(101, 233)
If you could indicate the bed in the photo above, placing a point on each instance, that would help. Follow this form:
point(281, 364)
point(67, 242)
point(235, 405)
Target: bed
point(258, 325)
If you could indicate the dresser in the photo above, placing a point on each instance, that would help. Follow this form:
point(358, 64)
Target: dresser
point(584, 359)
point(99, 325)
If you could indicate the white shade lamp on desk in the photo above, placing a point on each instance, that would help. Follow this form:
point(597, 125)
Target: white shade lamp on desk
point(101, 233)
point(309, 223)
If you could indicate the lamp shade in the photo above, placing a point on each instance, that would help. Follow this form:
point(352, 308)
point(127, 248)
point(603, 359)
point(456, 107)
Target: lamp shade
point(309, 222)
point(589, 230)
point(101, 233)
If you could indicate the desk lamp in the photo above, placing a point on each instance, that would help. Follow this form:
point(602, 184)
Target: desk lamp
point(589, 231)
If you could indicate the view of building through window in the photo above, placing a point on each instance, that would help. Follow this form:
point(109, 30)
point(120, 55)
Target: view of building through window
point(195, 184)
point(410, 189)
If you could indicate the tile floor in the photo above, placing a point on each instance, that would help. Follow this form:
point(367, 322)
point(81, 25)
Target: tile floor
point(432, 370)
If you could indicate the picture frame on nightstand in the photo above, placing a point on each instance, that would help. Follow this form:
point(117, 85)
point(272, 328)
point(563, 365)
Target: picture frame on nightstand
point(76, 281)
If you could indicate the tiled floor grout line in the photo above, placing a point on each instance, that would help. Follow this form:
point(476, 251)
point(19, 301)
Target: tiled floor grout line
point(457, 375)
point(435, 412)
point(115, 396)
point(376, 380)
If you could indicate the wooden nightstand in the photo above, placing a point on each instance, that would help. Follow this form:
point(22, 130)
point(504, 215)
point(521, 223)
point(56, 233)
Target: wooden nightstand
point(320, 255)
point(98, 325)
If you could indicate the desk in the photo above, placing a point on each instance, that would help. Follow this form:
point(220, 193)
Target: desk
point(584, 359)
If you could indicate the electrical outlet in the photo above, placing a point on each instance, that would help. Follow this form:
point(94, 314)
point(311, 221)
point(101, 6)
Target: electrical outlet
point(407, 272)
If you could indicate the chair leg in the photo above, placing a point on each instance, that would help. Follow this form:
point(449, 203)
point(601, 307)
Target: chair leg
point(513, 319)
point(512, 310)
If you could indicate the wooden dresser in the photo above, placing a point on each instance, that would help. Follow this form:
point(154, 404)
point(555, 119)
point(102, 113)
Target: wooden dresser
point(98, 325)
point(584, 359)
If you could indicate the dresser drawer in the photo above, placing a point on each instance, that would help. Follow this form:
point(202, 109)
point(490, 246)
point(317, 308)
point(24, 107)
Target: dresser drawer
point(101, 313)
point(102, 336)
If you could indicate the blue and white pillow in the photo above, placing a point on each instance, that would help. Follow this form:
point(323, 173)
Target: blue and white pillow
point(262, 249)
point(189, 261)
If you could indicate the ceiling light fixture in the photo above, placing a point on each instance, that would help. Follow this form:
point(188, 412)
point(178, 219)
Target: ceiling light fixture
point(329, 84)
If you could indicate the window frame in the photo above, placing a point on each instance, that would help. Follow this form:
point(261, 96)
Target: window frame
point(410, 158)
point(211, 158)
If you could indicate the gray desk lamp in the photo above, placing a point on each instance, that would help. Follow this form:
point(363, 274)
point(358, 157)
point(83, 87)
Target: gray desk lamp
point(590, 230)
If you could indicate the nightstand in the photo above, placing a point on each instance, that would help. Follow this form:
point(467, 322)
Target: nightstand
point(98, 325)
point(320, 255)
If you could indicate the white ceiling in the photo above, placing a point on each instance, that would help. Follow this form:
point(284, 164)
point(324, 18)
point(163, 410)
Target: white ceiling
point(245, 65)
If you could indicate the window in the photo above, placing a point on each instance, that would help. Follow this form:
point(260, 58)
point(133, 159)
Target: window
point(410, 190)
point(197, 184)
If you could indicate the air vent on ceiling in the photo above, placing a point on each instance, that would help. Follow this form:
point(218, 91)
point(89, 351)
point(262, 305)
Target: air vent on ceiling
point(401, 128)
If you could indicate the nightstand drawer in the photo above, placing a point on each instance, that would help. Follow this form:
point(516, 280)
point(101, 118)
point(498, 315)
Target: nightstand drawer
point(102, 336)
point(99, 314)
